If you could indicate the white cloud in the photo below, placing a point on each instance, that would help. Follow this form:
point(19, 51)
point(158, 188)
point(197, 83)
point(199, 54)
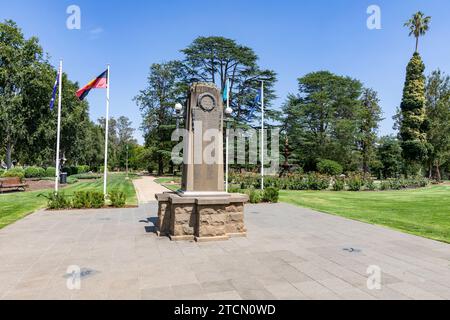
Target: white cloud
point(96, 32)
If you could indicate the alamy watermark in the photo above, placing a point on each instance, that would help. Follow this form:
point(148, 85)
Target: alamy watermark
point(375, 278)
point(245, 147)
point(73, 21)
point(73, 278)
point(374, 19)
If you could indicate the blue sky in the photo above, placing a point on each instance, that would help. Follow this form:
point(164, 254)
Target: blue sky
point(292, 37)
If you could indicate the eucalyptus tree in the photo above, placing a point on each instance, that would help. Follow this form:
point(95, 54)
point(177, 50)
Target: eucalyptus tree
point(438, 116)
point(369, 119)
point(166, 86)
point(19, 58)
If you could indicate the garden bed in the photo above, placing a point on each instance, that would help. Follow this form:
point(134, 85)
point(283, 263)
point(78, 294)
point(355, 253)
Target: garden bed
point(106, 207)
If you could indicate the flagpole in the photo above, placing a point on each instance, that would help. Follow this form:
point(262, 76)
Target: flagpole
point(58, 130)
point(105, 177)
point(227, 171)
point(262, 134)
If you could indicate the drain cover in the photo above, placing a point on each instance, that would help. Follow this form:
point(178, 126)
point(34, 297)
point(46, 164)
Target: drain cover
point(352, 250)
point(84, 273)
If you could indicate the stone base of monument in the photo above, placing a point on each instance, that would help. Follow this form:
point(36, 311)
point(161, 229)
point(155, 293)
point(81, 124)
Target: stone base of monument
point(204, 218)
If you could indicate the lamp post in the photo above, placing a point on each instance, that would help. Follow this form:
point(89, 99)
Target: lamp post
point(228, 113)
point(179, 115)
point(178, 110)
point(127, 161)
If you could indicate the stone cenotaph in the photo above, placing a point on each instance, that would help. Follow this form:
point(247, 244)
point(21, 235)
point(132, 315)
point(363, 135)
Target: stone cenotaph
point(202, 210)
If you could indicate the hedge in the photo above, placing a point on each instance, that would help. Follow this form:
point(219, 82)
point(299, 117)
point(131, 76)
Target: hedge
point(15, 172)
point(50, 172)
point(329, 167)
point(85, 200)
point(315, 181)
point(34, 172)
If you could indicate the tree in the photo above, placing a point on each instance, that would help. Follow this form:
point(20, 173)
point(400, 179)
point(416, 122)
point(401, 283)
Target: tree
point(370, 117)
point(166, 86)
point(413, 124)
point(113, 141)
point(218, 59)
point(418, 26)
point(389, 154)
point(125, 139)
point(438, 115)
point(27, 125)
point(95, 143)
point(124, 130)
point(322, 120)
point(18, 59)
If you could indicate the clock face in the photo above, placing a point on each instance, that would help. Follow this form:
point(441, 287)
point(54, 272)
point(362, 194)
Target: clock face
point(207, 102)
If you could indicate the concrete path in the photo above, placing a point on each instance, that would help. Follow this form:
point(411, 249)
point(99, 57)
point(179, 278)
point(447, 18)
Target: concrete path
point(146, 188)
point(290, 253)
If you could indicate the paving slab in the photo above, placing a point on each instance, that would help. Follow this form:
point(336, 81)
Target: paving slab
point(146, 189)
point(289, 253)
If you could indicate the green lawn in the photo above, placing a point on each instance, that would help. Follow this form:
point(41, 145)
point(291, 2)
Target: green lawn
point(167, 182)
point(15, 206)
point(423, 212)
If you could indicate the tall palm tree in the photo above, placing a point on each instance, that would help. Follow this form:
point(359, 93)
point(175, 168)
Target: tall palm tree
point(418, 26)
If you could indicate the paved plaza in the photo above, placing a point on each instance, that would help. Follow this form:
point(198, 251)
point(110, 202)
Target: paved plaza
point(290, 253)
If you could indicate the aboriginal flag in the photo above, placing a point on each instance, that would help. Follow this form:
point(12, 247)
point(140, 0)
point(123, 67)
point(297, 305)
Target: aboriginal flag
point(101, 82)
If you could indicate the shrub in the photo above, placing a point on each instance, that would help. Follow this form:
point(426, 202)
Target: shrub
point(273, 182)
point(254, 195)
point(118, 199)
point(299, 170)
point(419, 182)
point(97, 199)
point(298, 182)
point(88, 200)
point(58, 201)
point(271, 195)
point(318, 182)
point(234, 189)
point(423, 182)
point(1, 172)
point(395, 184)
point(369, 184)
point(355, 183)
point(81, 200)
point(71, 180)
point(329, 167)
point(50, 172)
point(15, 172)
point(34, 172)
point(385, 185)
point(74, 170)
point(87, 176)
point(82, 169)
point(339, 184)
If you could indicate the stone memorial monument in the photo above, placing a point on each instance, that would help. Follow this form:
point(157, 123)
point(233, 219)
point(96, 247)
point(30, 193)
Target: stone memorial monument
point(202, 210)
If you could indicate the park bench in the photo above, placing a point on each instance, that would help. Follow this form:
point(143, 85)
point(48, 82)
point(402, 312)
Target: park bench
point(12, 183)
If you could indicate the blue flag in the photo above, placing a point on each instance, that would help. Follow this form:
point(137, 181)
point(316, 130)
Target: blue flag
point(55, 88)
point(258, 97)
point(226, 91)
